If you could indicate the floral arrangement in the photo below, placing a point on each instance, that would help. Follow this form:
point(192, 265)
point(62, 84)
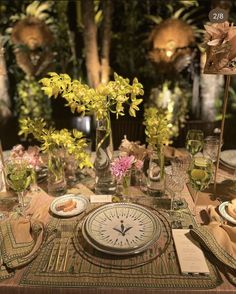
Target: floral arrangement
point(220, 44)
point(101, 101)
point(122, 165)
point(128, 148)
point(158, 128)
point(31, 156)
point(51, 139)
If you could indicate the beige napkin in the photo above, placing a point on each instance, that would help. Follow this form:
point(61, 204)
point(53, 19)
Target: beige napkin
point(220, 239)
point(20, 240)
point(40, 206)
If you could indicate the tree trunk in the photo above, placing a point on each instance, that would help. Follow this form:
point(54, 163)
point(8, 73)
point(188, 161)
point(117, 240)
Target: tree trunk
point(5, 103)
point(105, 60)
point(90, 43)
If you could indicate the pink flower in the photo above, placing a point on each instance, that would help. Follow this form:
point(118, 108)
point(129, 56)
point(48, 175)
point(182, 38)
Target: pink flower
point(138, 164)
point(17, 151)
point(31, 156)
point(120, 166)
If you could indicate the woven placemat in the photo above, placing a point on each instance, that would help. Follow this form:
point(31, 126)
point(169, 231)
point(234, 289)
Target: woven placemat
point(5, 273)
point(122, 262)
point(78, 271)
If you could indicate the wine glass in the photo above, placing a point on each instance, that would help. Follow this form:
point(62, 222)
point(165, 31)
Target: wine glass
point(19, 177)
point(194, 141)
point(200, 175)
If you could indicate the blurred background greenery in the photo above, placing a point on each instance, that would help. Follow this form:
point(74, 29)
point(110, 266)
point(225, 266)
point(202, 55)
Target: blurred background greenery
point(157, 41)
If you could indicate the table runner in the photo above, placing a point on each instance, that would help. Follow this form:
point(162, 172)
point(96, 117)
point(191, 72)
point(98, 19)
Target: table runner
point(80, 272)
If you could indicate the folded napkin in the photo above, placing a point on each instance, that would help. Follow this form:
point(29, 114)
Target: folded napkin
point(20, 240)
point(220, 239)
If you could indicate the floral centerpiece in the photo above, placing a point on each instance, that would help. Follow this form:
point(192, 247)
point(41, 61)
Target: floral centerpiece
point(158, 135)
point(220, 44)
point(105, 99)
point(57, 144)
point(121, 170)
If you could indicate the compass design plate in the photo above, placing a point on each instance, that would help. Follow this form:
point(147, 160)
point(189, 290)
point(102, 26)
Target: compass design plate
point(121, 228)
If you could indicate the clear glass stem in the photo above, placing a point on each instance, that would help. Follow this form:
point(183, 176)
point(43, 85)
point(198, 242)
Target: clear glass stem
point(21, 202)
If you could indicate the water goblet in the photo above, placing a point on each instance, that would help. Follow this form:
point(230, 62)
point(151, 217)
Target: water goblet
point(18, 177)
point(174, 184)
point(200, 175)
point(194, 141)
point(180, 166)
point(210, 147)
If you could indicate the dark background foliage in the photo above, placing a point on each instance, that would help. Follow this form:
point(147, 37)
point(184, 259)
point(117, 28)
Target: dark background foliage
point(131, 27)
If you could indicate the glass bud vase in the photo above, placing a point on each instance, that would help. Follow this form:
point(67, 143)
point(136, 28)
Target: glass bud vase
point(155, 181)
point(56, 175)
point(104, 182)
point(123, 187)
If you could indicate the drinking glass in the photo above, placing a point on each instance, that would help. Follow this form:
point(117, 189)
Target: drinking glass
point(200, 175)
point(180, 166)
point(174, 184)
point(194, 141)
point(210, 147)
point(19, 177)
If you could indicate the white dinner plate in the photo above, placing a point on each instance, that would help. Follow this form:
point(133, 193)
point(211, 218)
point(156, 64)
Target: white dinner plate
point(224, 213)
point(121, 228)
point(228, 157)
point(81, 205)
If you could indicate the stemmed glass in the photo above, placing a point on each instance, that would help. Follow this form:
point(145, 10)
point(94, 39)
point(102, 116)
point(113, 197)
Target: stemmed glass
point(19, 177)
point(200, 175)
point(194, 141)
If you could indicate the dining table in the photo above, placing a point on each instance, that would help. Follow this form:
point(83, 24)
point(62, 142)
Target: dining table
point(63, 262)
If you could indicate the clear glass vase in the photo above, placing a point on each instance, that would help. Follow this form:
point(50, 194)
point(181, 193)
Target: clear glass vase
point(122, 189)
point(156, 174)
point(56, 175)
point(104, 182)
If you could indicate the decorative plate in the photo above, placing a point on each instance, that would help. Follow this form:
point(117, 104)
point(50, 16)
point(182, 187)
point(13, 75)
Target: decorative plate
point(81, 205)
point(229, 157)
point(224, 213)
point(121, 228)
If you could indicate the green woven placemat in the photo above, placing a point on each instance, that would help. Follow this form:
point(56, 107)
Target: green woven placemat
point(80, 272)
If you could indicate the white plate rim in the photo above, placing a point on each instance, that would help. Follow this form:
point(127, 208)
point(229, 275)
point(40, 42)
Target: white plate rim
point(118, 251)
point(67, 197)
point(109, 250)
point(227, 165)
point(223, 160)
point(225, 214)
